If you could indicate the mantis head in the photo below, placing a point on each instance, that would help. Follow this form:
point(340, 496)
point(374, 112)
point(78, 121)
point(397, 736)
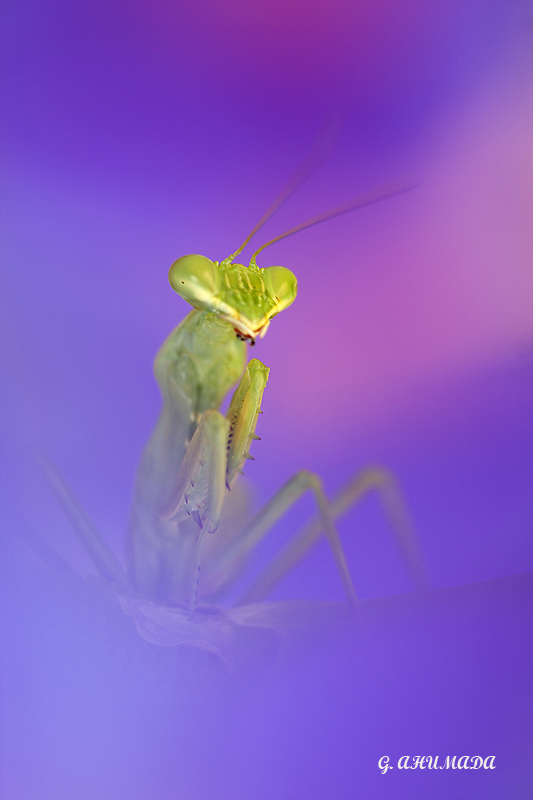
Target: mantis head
point(247, 297)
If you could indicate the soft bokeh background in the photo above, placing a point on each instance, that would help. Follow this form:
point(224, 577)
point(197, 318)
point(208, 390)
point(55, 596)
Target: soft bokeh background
point(137, 132)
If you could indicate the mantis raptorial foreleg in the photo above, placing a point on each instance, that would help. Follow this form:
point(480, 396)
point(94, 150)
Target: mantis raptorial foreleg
point(201, 481)
point(212, 459)
point(200, 492)
point(371, 479)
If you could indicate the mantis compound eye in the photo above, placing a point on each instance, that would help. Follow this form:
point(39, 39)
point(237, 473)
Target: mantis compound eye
point(281, 285)
point(195, 278)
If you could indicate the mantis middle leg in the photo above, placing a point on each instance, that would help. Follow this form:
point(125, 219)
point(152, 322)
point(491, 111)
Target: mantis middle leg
point(371, 479)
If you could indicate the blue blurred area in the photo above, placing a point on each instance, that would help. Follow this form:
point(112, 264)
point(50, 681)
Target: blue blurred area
point(134, 133)
point(90, 709)
point(166, 95)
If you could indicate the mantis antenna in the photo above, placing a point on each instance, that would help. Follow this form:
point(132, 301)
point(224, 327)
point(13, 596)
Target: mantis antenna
point(317, 155)
point(381, 193)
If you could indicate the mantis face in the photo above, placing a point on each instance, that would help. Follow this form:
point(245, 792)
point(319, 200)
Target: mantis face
point(247, 297)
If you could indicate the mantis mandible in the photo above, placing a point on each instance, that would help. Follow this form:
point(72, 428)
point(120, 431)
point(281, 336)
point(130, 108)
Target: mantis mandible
point(195, 454)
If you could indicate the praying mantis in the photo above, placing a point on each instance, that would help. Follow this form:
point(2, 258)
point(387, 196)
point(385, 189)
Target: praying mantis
point(180, 558)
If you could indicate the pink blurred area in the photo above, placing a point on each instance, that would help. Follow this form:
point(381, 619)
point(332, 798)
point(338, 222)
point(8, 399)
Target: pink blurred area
point(284, 44)
point(447, 290)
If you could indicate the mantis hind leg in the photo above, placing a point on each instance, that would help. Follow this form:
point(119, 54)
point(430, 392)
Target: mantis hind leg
point(94, 545)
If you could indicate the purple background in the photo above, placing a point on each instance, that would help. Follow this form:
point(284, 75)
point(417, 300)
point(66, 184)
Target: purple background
point(137, 132)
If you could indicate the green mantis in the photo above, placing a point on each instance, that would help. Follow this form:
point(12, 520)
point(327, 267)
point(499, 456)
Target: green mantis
point(195, 453)
point(179, 563)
